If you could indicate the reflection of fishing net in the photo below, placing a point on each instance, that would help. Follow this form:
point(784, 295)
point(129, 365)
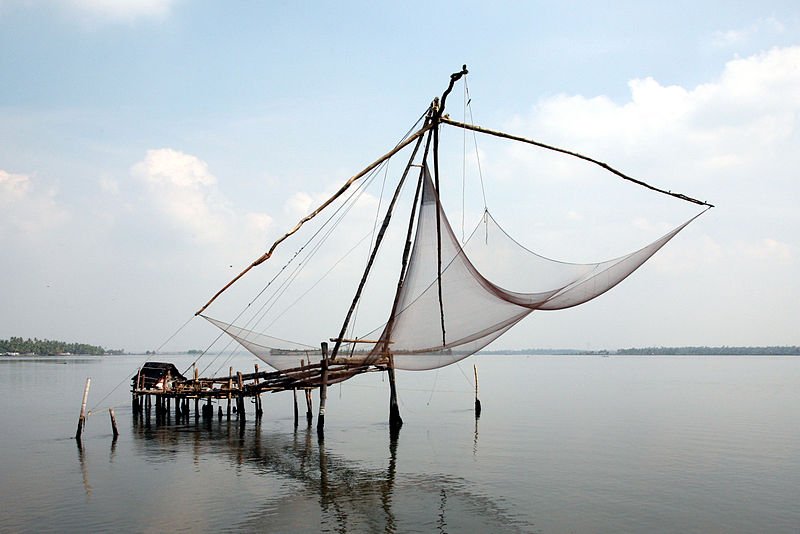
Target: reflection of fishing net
point(440, 320)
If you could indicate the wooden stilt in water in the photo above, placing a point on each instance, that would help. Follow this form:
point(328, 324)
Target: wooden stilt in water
point(113, 423)
point(242, 413)
point(395, 421)
point(477, 400)
point(259, 412)
point(137, 406)
point(309, 407)
point(82, 418)
point(296, 412)
point(197, 390)
point(230, 387)
point(323, 388)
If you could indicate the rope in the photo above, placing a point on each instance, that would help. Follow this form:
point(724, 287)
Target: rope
point(270, 302)
point(464, 163)
point(475, 141)
point(264, 309)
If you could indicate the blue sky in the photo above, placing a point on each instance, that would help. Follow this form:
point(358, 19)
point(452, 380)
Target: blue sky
point(147, 146)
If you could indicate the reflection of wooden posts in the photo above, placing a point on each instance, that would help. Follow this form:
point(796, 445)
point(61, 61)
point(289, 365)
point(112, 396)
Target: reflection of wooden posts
point(82, 418)
point(113, 422)
point(309, 407)
point(323, 388)
point(477, 401)
point(395, 421)
point(241, 397)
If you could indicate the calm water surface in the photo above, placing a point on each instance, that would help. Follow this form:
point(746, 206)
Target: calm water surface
point(564, 444)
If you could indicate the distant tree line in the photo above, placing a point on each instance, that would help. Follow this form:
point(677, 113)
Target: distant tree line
point(47, 347)
point(716, 351)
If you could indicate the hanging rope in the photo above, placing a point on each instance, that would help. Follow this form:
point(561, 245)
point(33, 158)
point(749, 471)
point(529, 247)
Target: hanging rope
point(475, 142)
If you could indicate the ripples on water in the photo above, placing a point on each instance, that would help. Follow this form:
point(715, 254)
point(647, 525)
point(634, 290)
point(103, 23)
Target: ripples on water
point(577, 444)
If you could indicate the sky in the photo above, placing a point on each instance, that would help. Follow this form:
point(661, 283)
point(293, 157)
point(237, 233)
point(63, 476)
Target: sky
point(151, 149)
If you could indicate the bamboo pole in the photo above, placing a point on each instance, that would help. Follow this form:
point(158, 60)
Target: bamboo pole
point(410, 139)
point(309, 407)
point(296, 411)
point(479, 129)
point(113, 422)
point(197, 390)
point(323, 389)
point(395, 421)
point(259, 412)
point(477, 401)
point(230, 387)
point(82, 418)
point(242, 413)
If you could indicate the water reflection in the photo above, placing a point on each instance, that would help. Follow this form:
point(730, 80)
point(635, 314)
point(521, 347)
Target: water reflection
point(87, 488)
point(325, 490)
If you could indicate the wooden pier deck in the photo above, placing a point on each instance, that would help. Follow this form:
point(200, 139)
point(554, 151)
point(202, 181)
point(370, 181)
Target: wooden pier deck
point(162, 383)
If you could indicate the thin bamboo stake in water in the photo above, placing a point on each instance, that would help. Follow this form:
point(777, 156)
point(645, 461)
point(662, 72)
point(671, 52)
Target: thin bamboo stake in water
point(114, 422)
point(477, 401)
point(82, 418)
point(323, 388)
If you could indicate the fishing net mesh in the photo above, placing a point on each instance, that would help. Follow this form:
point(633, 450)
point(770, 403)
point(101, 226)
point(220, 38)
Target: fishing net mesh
point(455, 300)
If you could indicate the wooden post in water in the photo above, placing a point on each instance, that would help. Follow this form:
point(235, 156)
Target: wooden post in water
point(323, 388)
point(197, 391)
point(113, 422)
point(242, 413)
point(296, 412)
point(230, 387)
point(309, 407)
point(136, 404)
point(477, 400)
point(82, 418)
point(259, 411)
point(395, 421)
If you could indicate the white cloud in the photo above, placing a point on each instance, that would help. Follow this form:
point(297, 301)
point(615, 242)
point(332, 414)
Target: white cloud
point(13, 186)
point(184, 190)
point(28, 210)
point(734, 140)
point(740, 124)
point(768, 250)
point(734, 37)
point(123, 10)
point(109, 185)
